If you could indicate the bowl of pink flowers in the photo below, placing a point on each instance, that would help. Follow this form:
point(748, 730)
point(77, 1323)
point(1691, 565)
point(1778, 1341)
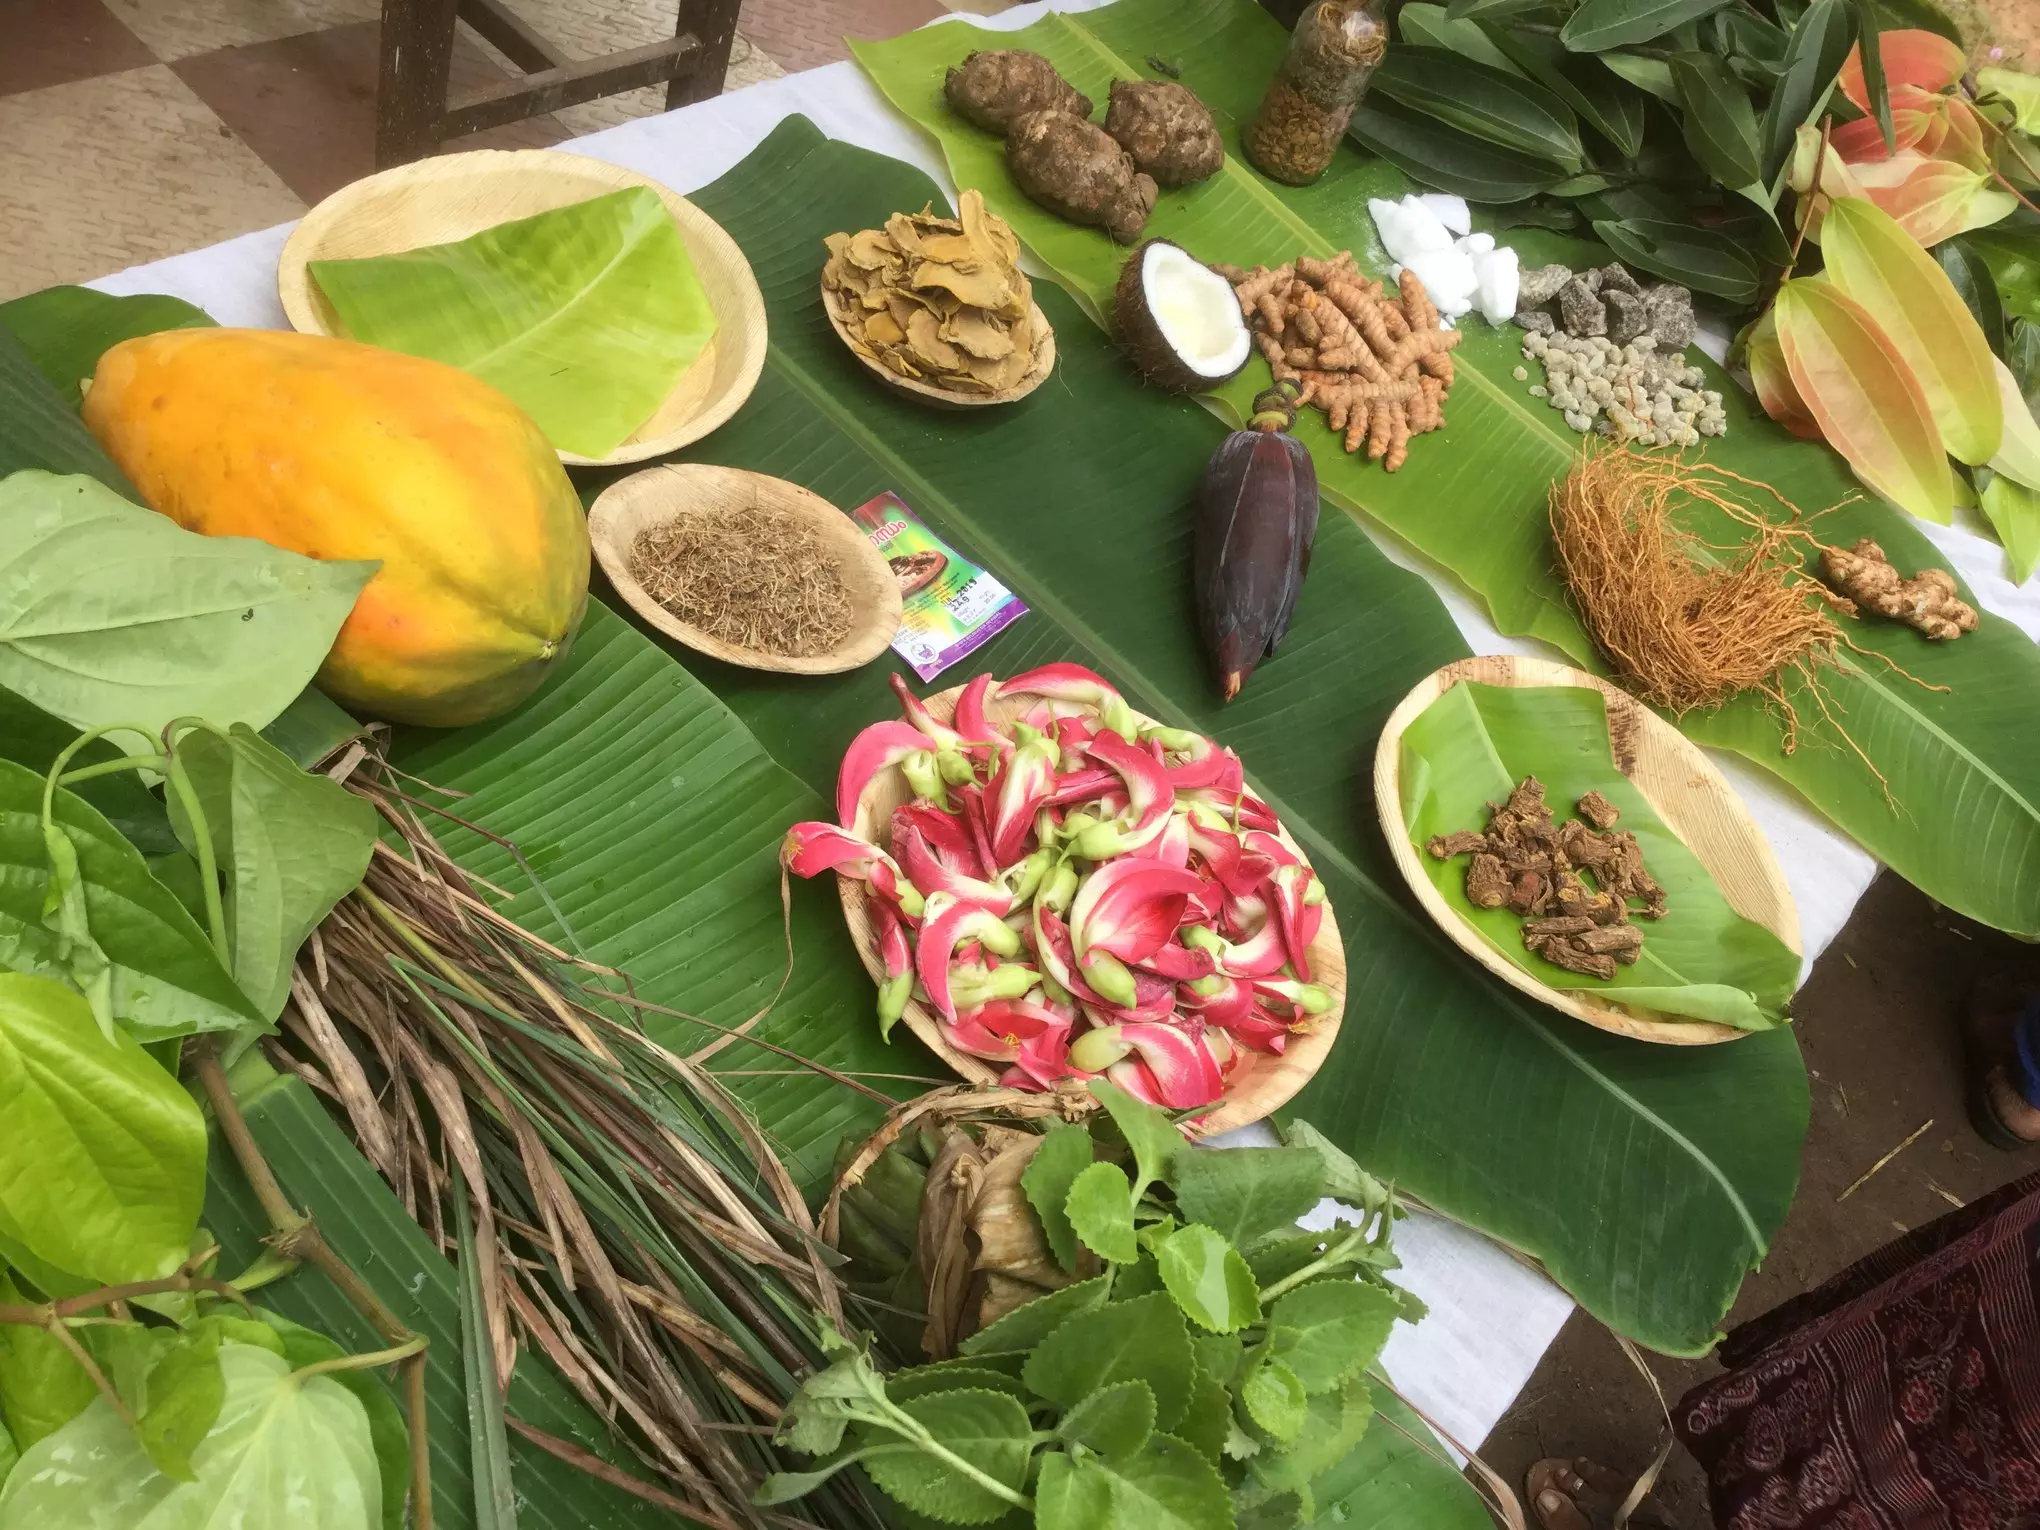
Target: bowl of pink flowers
point(1048, 886)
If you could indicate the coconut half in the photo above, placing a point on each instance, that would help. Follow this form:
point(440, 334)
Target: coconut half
point(1179, 320)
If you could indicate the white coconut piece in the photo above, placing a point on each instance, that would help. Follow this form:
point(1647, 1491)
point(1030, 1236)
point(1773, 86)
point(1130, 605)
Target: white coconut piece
point(1448, 277)
point(1450, 211)
point(1427, 228)
point(1497, 278)
point(1195, 311)
point(1407, 228)
point(1476, 244)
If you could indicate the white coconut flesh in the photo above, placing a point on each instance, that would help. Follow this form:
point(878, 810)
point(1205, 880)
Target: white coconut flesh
point(1195, 310)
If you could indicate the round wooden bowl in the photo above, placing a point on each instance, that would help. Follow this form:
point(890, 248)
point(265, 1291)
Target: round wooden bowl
point(661, 494)
point(455, 196)
point(1259, 1086)
point(943, 398)
point(1678, 780)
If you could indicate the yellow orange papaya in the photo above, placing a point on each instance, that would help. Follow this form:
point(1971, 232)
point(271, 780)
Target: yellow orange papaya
point(340, 450)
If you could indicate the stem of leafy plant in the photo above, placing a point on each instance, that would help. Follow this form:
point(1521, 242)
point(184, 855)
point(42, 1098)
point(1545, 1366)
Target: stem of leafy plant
point(112, 767)
point(907, 1426)
point(1333, 1256)
point(39, 1315)
point(296, 1237)
point(202, 847)
point(61, 1332)
point(375, 1359)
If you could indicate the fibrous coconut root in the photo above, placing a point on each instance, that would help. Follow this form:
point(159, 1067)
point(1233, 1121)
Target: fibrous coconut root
point(992, 89)
point(1078, 171)
point(1376, 363)
point(1167, 130)
point(1928, 601)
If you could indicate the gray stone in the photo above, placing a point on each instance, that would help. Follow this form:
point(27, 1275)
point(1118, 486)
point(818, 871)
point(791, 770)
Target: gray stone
point(1616, 277)
point(1579, 311)
point(1671, 316)
point(1628, 314)
point(1540, 286)
point(1591, 280)
point(1535, 319)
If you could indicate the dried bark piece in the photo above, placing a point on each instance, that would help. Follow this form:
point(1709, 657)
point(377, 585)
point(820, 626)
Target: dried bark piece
point(1598, 810)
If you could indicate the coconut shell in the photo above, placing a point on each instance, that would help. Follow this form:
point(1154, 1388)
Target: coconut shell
point(1134, 325)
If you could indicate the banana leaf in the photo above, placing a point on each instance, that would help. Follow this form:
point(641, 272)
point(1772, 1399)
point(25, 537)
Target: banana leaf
point(66, 328)
point(585, 315)
point(1472, 745)
point(1918, 774)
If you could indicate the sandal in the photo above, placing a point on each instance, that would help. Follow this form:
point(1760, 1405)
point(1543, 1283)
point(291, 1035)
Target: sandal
point(1988, 1022)
point(1555, 1489)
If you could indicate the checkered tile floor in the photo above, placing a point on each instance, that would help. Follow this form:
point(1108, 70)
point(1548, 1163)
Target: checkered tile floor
point(135, 129)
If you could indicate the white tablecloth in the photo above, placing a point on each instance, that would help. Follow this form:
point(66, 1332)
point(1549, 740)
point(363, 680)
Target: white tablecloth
point(1491, 1316)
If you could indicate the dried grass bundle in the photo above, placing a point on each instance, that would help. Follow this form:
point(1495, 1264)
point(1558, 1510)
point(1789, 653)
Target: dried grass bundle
point(631, 1220)
point(1684, 625)
point(757, 578)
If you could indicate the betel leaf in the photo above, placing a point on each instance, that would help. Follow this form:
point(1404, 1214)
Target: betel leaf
point(1702, 960)
point(387, 1430)
point(1140, 1340)
point(1497, 105)
point(1335, 1422)
point(585, 316)
point(42, 1385)
point(102, 1164)
point(1610, 107)
point(1153, 1137)
point(1274, 1397)
point(1026, 1326)
point(286, 1450)
point(288, 845)
point(1209, 1279)
point(32, 737)
point(1685, 253)
point(1166, 1486)
point(1720, 125)
point(66, 329)
point(1244, 1192)
point(1327, 1330)
point(1100, 1211)
point(1973, 283)
point(165, 979)
point(186, 1391)
point(1115, 1420)
point(110, 613)
point(989, 1430)
point(9, 1452)
point(1447, 158)
point(1813, 55)
point(1602, 24)
point(1866, 400)
point(1065, 1152)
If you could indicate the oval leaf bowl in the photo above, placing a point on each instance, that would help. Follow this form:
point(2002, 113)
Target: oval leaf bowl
point(944, 398)
point(1674, 775)
point(661, 494)
point(1259, 1086)
point(455, 196)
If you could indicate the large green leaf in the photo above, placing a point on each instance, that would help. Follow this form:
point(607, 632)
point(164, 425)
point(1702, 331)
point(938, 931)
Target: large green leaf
point(1473, 744)
point(1495, 104)
point(584, 315)
point(1609, 106)
point(1946, 770)
point(1819, 42)
point(1600, 24)
point(66, 328)
point(39, 430)
point(1077, 499)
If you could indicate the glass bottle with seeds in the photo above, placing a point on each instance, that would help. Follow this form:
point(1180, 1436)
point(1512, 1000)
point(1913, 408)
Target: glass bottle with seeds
point(1332, 55)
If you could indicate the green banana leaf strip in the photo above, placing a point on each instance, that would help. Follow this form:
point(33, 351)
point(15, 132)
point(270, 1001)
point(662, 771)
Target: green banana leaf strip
point(66, 328)
point(1472, 745)
point(1940, 772)
point(1079, 498)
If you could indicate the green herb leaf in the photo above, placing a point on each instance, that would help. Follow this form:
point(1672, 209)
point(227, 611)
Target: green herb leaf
point(1168, 1486)
point(102, 1164)
point(1720, 126)
point(1151, 1134)
point(1142, 1340)
point(585, 316)
point(1064, 1154)
point(946, 1376)
point(1209, 1279)
point(165, 979)
point(110, 613)
point(1115, 1420)
point(1330, 1329)
point(1276, 1259)
point(1244, 1193)
point(286, 1450)
point(1275, 1511)
point(186, 1390)
point(1497, 105)
point(1024, 1327)
point(1071, 1496)
point(1274, 1396)
point(289, 844)
point(42, 1385)
point(1344, 1179)
point(989, 1430)
point(1333, 1424)
point(1813, 57)
point(1218, 1355)
point(1601, 24)
point(66, 329)
point(387, 1430)
point(1208, 1420)
point(1100, 1209)
point(785, 1487)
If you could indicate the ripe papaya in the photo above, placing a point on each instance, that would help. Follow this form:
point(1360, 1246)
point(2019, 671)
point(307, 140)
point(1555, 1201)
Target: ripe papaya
point(340, 450)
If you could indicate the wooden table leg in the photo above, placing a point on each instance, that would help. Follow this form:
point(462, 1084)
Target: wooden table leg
point(714, 24)
point(417, 60)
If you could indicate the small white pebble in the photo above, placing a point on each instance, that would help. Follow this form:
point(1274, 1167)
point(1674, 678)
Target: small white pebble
point(1538, 390)
point(1521, 374)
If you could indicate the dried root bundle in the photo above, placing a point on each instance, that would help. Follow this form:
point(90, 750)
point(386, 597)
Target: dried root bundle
point(1683, 627)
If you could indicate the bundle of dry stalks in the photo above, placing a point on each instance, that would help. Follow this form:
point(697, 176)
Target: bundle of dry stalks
point(1687, 625)
point(631, 1220)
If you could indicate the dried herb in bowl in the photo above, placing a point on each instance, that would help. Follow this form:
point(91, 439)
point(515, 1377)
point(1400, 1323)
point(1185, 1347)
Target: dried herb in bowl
point(754, 577)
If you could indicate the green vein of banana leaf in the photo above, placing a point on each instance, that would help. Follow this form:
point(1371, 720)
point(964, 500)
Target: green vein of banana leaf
point(1945, 789)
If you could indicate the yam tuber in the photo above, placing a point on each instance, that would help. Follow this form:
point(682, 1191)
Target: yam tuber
point(1167, 130)
point(1078, 171)
point(992, 89)
point(1929, 601)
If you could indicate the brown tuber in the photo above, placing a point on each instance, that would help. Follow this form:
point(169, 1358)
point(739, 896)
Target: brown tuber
point(991, 89)
point(1077, 171)
point(1167, 130)
point(1929, 601)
